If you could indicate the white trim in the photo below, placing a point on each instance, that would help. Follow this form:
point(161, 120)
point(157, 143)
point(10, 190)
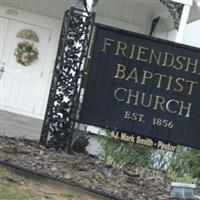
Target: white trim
point(186, 2)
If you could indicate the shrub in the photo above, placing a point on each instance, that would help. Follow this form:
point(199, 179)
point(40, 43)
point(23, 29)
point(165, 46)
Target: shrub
point(186, 161)
point(119, 154)
point(80, 143)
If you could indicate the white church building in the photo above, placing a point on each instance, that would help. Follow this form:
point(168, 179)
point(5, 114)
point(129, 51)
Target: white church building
point(24, 87)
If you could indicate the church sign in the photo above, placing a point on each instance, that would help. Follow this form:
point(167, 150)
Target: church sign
point(143, 86)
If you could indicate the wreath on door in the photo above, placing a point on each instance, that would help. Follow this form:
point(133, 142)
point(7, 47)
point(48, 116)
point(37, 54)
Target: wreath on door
point(26, 53)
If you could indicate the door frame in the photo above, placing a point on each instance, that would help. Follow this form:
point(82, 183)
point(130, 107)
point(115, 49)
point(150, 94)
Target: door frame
point(54, 26)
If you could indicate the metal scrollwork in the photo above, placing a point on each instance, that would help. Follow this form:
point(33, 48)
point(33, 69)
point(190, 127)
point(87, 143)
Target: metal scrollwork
point(175, 10)
point(62, 103)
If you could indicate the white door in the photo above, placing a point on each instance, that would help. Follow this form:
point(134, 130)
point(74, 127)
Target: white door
point(4, 24)
point(22, 87)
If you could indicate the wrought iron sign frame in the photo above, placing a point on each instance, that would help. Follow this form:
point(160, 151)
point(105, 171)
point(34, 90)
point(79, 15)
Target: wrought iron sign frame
point(58, 125)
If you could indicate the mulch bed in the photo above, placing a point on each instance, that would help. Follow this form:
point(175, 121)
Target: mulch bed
point(84, 169)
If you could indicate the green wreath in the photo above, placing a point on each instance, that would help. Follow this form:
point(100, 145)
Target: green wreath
point(26, 53)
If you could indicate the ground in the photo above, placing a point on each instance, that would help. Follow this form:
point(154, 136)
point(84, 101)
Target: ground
point(14, 186)
point(127, 183)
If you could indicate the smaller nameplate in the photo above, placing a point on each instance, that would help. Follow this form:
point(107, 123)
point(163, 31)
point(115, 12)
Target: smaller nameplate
point(144, 141)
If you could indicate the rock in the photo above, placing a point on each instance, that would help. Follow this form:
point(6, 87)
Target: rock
point(21, 144)
point(22, 183)
point(67, 176)
point(41, 152)
point(53, 169)
point(35, 154)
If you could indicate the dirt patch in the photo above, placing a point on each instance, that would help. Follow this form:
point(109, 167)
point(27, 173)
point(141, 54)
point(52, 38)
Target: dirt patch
point(86, 170)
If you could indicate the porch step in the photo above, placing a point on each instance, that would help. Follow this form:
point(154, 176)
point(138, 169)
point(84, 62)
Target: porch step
point(15, 125)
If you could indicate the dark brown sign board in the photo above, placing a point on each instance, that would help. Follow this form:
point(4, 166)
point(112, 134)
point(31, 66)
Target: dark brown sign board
point(144, 86)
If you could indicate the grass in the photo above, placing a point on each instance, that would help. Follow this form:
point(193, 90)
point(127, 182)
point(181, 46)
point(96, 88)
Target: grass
point(97, 176)
point(70, 195)
point(10, 192)
point(184, 179)
point(10, 186)
point(7, 150)
point(15, 186)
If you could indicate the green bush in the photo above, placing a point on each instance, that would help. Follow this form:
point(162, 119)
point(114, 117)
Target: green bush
point(119, 154)
point(184, 164)
point(186, 161)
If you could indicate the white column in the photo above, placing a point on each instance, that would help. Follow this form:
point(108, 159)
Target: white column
point(89, 5)
point(183, 23)
point(184, 18)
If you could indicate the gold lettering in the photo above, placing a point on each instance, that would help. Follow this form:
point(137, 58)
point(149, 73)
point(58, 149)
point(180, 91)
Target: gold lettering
point(180, 63)
point(142, 52)
point(164, 146)
point(156, 57)
point(167, 62)
point(132, 51)
point(133, 75)
point(126, 137)
point(116, 94)
point(121, 47)
point(133, 96)
point(146, 75)
point(120, 74)
point(192, 83)
point(116, 135)
point(168, 106)
point(190, 64)
point(147, 142)
point(159, 103)
point(169, 83)
point(179, 84)
point(107, 42)
point(127, 115)
point(134, 116)
point(161, 76)
point(187, 108)
point(149, 100)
